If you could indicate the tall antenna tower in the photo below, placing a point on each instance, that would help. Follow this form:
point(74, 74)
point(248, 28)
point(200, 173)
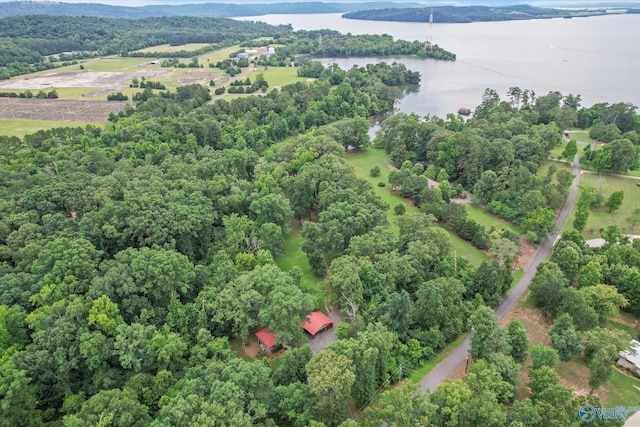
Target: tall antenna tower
point(429, 42)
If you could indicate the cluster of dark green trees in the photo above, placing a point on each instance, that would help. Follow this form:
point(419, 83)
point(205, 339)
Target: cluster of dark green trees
point(332, 43)
point(130, 255)
point(582, 288)
point(496, 154)
point(26, 40)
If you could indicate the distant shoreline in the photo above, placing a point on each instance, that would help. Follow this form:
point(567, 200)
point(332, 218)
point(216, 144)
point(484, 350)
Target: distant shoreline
point(469, 14)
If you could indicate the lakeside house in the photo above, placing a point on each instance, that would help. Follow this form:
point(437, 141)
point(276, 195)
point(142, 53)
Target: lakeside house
point(630, 359)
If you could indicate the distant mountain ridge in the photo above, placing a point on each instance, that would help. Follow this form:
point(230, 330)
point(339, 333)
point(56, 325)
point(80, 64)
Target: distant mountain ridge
point(205, 10)
point(465, 14)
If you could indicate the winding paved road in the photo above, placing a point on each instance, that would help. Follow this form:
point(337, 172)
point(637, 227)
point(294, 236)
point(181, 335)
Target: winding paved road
point(458, 356)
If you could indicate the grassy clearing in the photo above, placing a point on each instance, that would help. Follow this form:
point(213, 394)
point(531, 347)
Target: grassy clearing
point(236, 346)
point(556, 153)
point(278, 76)
point(580, 135)
point(164, 48)
point(601, 217)
point(113, 64)
point(294, 256)
point(218, 55)
point(624, 390)
point(20, 128)
point(364, 162)
point(419, 374)
point(482, 217)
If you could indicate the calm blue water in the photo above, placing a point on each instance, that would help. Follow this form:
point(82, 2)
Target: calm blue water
point(597, 57)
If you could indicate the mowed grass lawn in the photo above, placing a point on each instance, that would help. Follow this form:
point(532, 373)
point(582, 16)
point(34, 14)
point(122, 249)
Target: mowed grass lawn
point(165, 48)
point(482, 217)
point(278, 76)
point(364, 162)
point(20, 128)
point(601, 217)
point(294, 257)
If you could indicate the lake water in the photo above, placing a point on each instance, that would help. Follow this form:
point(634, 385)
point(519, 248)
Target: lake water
point(597, 57)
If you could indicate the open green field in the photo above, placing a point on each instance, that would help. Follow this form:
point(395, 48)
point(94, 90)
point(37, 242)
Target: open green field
point(580, 135)
point(624, 390)
point(112, 64)
point(278, 76)
point(482, 217)
point(21, 128)
point(218, 55)
point(294, 256)
point(165, 48)
point(364, 162)
point(601, 217)
point(557, 151)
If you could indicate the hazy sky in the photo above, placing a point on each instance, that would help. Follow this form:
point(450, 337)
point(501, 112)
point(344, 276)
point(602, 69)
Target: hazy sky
point(425, 2)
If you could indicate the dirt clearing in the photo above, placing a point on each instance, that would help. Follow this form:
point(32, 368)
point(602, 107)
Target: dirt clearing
point(62, 110)
point(80, 79)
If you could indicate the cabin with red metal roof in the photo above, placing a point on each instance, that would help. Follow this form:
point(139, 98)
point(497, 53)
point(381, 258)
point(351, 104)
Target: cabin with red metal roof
point(267, 340)
point(316, 323)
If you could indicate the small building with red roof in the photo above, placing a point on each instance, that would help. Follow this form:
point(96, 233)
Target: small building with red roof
point(266, 339)
point(316, 323)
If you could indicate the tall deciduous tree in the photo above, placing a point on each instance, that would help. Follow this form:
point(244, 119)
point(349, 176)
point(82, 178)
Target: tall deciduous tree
point(330, 379)
point(416, 408)
point(487, 335)
point(285, 308)
point(517, 338)
point(540, 221)
point(565, 338)
point(615, 200)
point(546, 288)
point(570, 150)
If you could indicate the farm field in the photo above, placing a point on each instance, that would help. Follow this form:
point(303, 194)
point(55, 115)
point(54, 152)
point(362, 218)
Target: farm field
point(94, 79)
point(20, 128)
point(60, 110)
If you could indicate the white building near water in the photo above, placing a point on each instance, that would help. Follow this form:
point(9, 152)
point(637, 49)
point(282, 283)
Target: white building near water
point(630, 359)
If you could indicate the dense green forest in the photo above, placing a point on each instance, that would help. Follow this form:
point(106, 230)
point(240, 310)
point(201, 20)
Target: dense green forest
point(28, 39)
point(27, 43)
point(464, 14)
point(132, 257)
point(208, 10)
point(497, 153)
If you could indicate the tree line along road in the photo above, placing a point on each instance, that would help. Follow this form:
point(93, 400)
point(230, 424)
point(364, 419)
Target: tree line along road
point(448, 366)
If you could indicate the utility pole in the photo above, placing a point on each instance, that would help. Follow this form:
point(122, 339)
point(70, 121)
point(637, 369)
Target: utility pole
point(473, 332)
